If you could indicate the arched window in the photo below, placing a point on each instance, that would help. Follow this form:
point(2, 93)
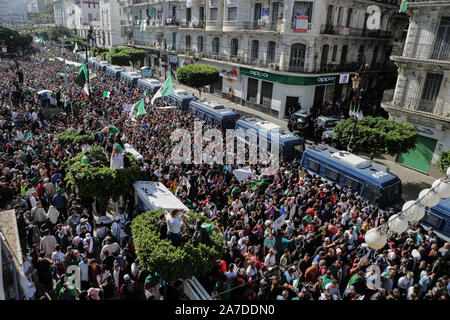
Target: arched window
point(271, 51)
point(324, 59)
point(255, 49)
point(200, 43)
point(344, 55)
point(234, 47)
point(215, 46)
point(188, 42)
point(297, 59)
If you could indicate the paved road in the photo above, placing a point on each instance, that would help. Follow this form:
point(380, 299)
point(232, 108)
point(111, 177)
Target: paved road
point(412, 180)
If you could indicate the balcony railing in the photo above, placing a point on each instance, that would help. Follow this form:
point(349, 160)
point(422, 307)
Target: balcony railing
point(293, 25)
point(439, 107)
point(354, 32)
point(199, 25)
point(262, 25)
point(437, 51)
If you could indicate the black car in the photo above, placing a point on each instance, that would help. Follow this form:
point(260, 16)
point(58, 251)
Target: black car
point(301, 122)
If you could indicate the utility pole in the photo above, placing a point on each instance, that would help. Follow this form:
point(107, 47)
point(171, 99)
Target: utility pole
point(87, 64)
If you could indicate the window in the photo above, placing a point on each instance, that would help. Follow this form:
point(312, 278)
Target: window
point(213, 14)
point(90, 17)
point(349, 182)
point(302, 8)
point(201, 14)
point(370, 193)
point(361, 49)
point(188, 14)
point(433, 221)
point(333, 55)
point(441, 47)
point(331, 174)
point(375, 54)
point(174, 11)
point(174, 40)
point(234, 47)
point(188, 42)
point(324, 59)
point(339, 16)
point(432, 86)
point(232, 13)
point(255, 49)
point(271, 51)
point(200, 43)
point(312, 165)
point(344, 54)
point(393, 193)
point(349, 17)
point(215, 46)
point(297, 59)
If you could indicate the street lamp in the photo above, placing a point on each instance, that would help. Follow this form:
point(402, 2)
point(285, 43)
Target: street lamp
point(358, 85)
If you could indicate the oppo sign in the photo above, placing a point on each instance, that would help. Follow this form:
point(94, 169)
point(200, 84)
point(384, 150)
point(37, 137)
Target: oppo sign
point(326, 79)
point(259, 74)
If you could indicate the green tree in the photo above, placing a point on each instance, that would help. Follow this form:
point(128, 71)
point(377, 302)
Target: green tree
point(100, 181)
point(119, 58)
point(197, 75)
point(98, 50)
point(136, 55)
point(73, 138)
point(376, 136)
point(444, 161)
point(173, 263)
point(14, 38)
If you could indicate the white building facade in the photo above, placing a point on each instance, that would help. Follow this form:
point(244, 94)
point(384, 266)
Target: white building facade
point(422, 93)
point(270, 54)
point(77, 14)
point(110, 23)
point(13, 12)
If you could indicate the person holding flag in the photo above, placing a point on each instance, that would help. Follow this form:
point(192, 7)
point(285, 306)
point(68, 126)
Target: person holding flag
point(164, 91)
point(137, 110)
point(117, 155)
point(82, 79)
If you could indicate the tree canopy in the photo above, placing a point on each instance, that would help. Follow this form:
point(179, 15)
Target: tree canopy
point(172, 263)
point(14, 38)
point(72, 137)
point(444, 161)
point(99, 181)
point(197, 75)
point(377, 136)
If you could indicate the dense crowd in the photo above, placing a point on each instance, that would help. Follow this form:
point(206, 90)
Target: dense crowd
point(318, 254)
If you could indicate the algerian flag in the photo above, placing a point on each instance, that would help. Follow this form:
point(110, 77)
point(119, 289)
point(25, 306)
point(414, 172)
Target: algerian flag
point(137, 110)
point(117, 157)
point(76, 47)
point(82, 76)
point(165, 90)
point(106, 94)
point(359, 114)
point(86, 88)
point(404, 6)
point(351, 112)
point(145, 92)
point(113, 131)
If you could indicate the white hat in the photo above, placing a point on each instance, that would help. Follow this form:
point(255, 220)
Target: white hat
point(126, 277)
point(117, 218)
point(338, 250)
point(83, 220)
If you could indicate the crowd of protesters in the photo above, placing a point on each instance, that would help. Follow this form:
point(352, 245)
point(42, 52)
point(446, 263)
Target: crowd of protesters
point(317, 254)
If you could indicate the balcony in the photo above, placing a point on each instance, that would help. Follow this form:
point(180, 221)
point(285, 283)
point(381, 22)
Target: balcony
point(213, 25)
point(439, 51)
point(438, 108)
point(191, 25)
point(293, 25)
point(354, 32)
point(273, 26)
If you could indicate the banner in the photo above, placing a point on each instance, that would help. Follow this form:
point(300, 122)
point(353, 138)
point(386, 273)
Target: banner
point(344, 31)
point(301, 24)
point(279, 222)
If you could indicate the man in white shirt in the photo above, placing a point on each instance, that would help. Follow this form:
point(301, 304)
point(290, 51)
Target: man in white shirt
point(251, 269)
point(58, 260)
point(84, 270)
point(270, 260)
point(174, 223)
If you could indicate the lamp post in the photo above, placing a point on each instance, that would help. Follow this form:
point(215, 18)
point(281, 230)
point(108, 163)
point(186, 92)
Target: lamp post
point(358, 85)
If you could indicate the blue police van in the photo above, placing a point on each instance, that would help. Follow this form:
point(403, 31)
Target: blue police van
point(374, 184)
point(213, 113)
point(113, 71)
point(180, 98)
point(290, 145)
point(130, 78)
point(439, 219)
point(152, 85)
point(101, 65)
point(91, 62)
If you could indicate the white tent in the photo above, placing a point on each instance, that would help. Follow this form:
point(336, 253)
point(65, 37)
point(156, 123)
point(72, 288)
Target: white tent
point(153, 195)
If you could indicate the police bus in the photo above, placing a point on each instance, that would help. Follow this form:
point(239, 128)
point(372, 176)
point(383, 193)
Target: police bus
point(213, 113)
point(290, 145)
point(439, 219)
point(130, 78)
point(152, 85)
point(374, 184)
point(92, 61)
point(101, 65)
point(113, 71)
point(180, 98)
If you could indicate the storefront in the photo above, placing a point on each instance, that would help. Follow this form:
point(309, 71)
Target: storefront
point(279, 91)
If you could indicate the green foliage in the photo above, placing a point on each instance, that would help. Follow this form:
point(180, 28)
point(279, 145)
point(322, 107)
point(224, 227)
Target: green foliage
point(55, 33)
point(135, 54)
point(444, 161)
point(119, 58)
point(377, 136)
point(100, 181)
point(197, 75)
point(73, 138)
point(170, 262)
point(98, 50)
point(14, 38)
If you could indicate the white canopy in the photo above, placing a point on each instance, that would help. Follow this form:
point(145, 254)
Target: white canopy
point(157, 196)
